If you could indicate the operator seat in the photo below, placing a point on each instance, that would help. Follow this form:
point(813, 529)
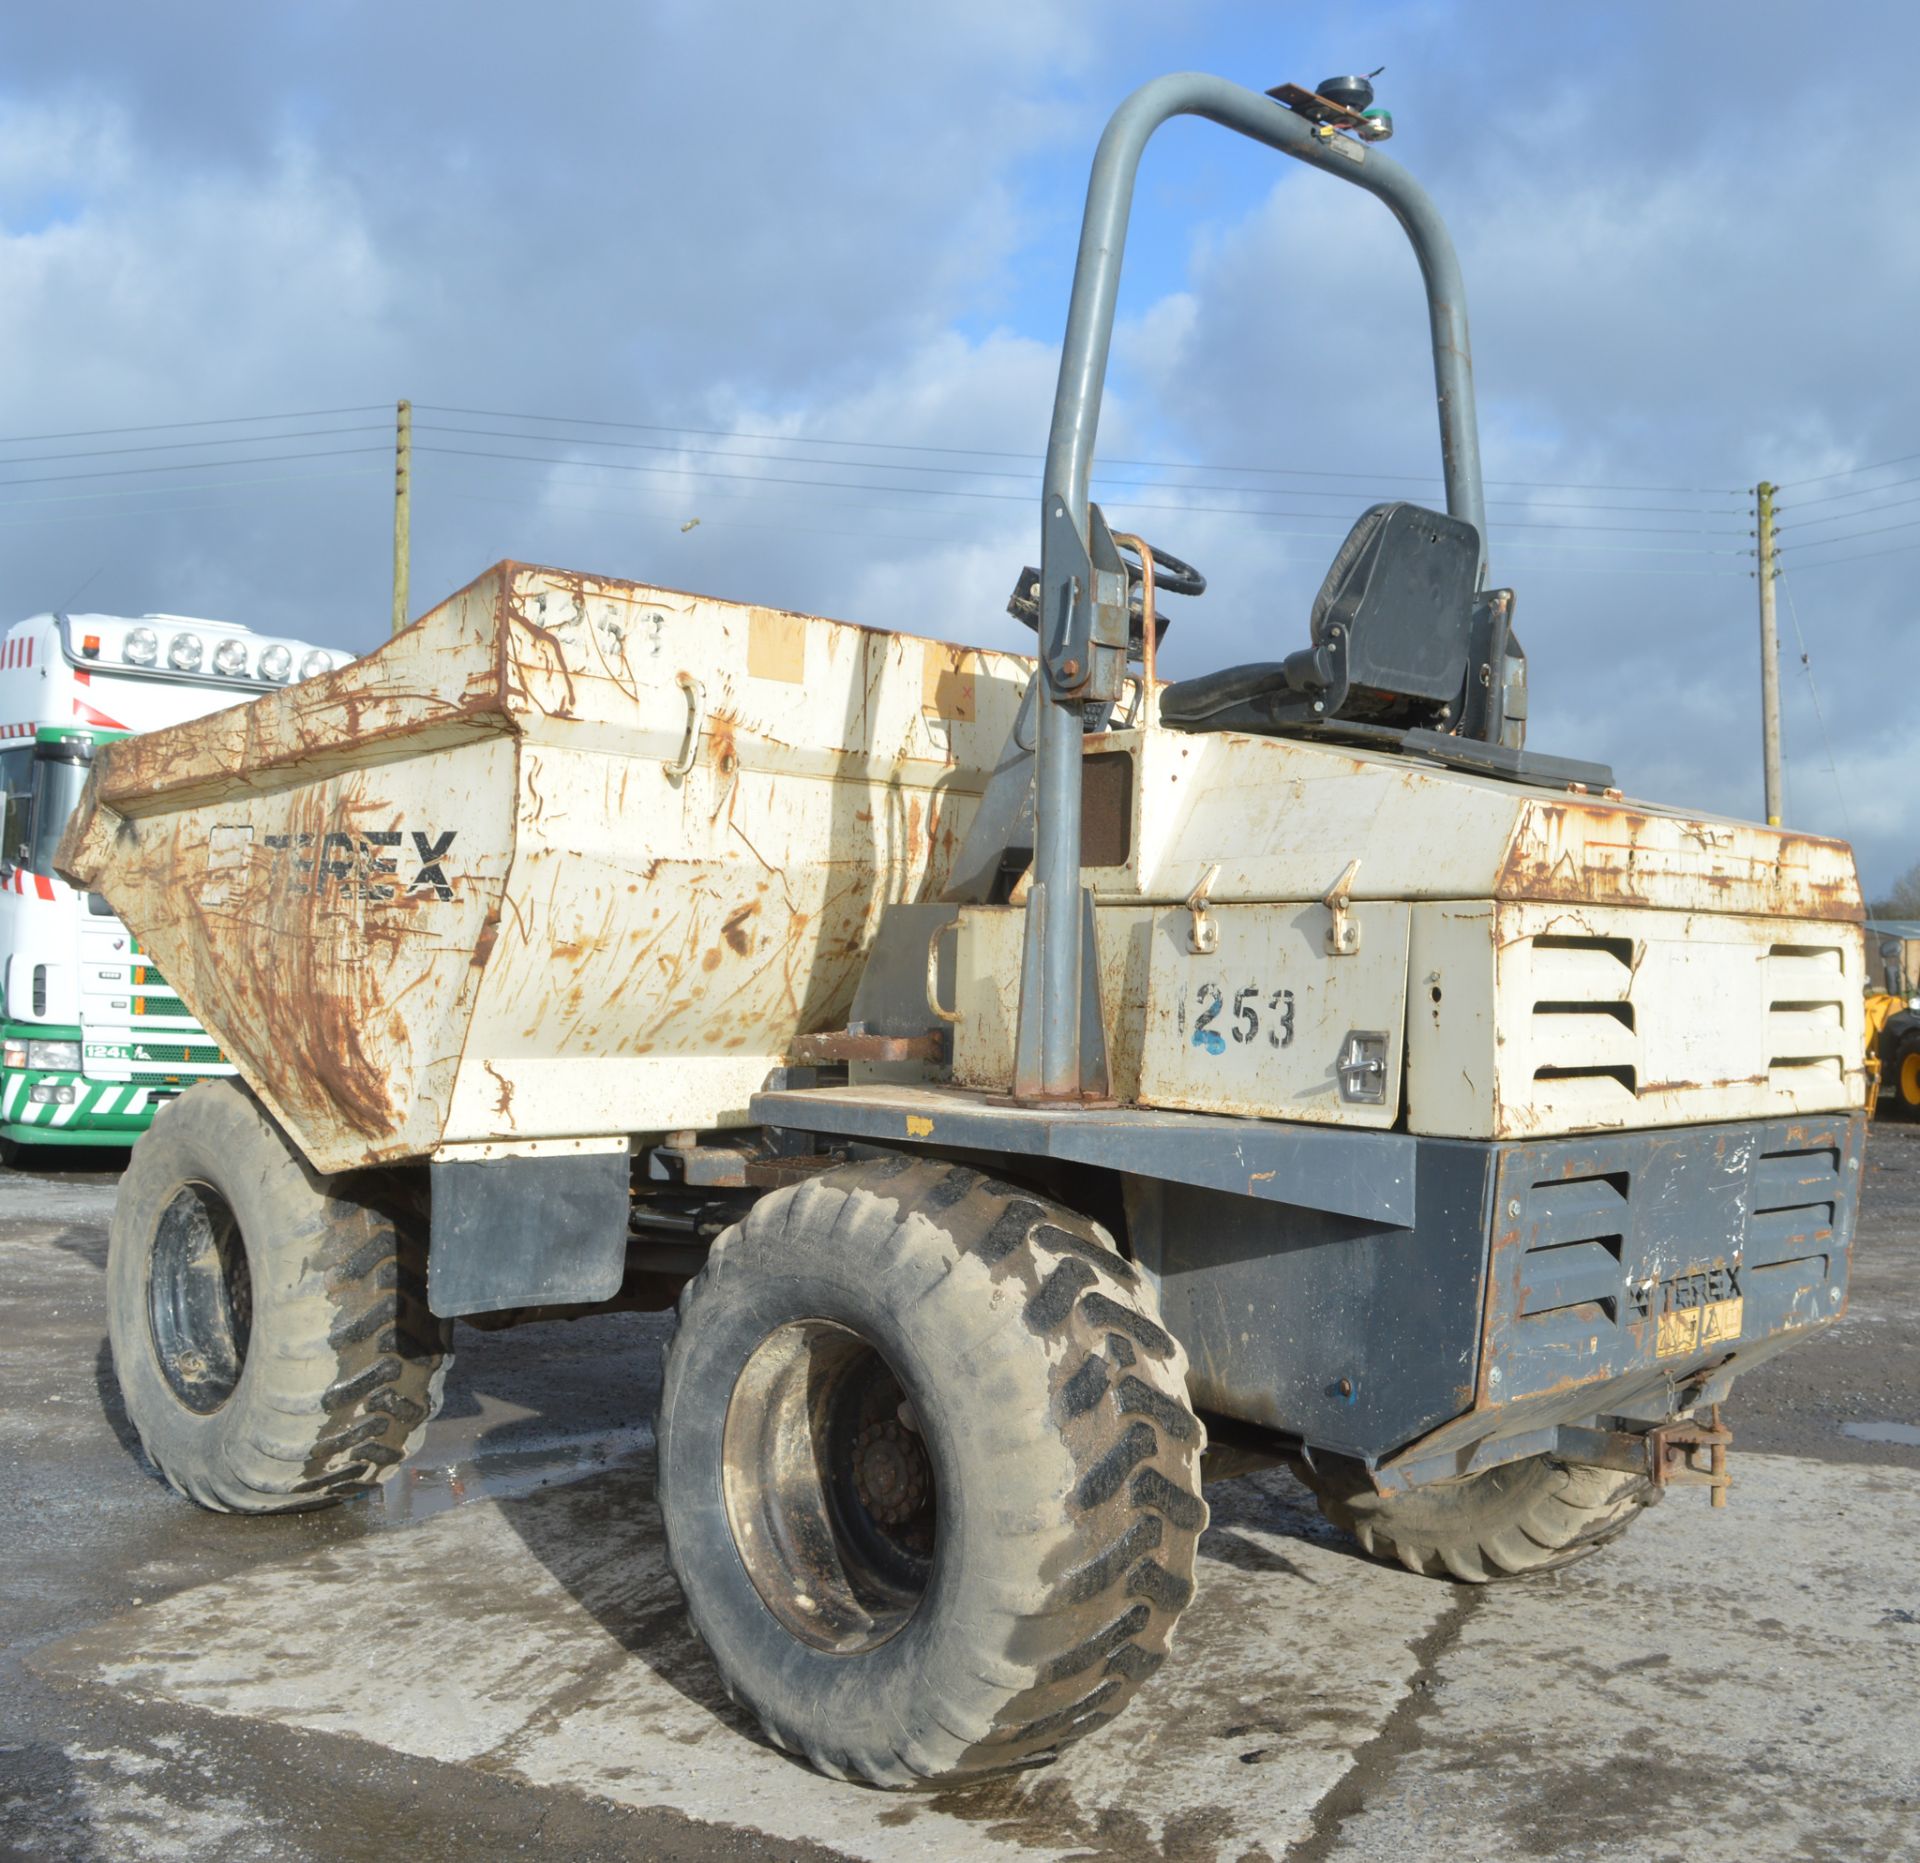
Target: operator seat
point(1392, 635)
point(1408, 654)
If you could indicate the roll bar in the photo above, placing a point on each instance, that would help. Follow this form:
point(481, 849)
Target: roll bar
point(1060, 1053)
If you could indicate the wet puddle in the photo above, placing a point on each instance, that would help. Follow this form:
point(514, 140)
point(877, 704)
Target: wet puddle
point(1907, 1434)
point(424, 1489)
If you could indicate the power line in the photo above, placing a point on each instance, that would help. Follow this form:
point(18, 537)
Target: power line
point(697, 452)
point(1820, 543)
point(212, 504)
point(189, 465)
point(922, 491)
point(729, 522)
point(174, 426)
point(1848, 472)
point(174, 446)
point(1263, 522)
point(969, 452)
point(203, 485)
point(1862, 556)
point(1842, 517)
point(1865, 491)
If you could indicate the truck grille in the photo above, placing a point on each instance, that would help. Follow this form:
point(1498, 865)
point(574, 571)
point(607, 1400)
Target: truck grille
point(1594, 1239)
point(1797, 1194)
point(1575, 1261)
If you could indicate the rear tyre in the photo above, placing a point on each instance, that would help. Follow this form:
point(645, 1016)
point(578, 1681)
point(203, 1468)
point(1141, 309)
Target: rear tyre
point(1534, 1515)
point(269, 1325)
point(929, 1477)
point(1902, 1075)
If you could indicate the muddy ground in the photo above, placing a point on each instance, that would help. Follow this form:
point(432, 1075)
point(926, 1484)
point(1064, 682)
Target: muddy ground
point(490, 1658)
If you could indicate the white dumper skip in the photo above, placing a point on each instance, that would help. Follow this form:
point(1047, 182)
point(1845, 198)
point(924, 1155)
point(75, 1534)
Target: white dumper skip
point(1021, 1075)
point(568, 858)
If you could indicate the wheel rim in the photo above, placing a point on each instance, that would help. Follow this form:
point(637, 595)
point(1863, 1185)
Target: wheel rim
point(1910, 1078)
point(829, 1488)
point(200, 1298)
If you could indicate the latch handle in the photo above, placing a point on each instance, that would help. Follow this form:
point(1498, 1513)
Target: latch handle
point(1343, 930)
point(1203, 935)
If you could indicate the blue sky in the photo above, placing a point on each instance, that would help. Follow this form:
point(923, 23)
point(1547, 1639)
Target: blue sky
point(1688, 238)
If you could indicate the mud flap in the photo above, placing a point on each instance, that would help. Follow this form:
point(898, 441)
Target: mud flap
point(527, 1232)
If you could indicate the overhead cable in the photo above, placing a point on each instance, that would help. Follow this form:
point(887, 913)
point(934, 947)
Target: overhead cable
point(173, 426)
point(923, 491)
point(1170, 465)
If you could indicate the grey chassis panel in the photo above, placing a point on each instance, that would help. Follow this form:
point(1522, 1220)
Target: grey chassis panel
point(1279, 1307)
point(1367, 1175)
point(527, 1232)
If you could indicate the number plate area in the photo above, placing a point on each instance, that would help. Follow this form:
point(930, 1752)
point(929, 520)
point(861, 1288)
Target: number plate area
point(1256, 1026)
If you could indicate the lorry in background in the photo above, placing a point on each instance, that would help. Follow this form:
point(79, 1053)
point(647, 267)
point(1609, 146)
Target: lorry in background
point(1024, 1076)
point(94, 1036)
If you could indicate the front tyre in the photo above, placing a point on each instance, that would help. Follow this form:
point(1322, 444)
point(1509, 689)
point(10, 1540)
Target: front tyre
point(929, 1477)
point(269, 1326)
point(1902, 1076)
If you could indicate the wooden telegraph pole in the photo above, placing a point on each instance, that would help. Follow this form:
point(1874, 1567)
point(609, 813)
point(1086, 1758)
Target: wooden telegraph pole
point(402, 512)
point(1769, 659)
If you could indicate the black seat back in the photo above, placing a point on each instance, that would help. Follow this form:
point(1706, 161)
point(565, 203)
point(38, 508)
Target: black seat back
point(1392, 637)
point(1402, 588)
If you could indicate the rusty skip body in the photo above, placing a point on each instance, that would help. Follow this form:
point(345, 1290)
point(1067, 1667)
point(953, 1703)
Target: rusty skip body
point(502, 881)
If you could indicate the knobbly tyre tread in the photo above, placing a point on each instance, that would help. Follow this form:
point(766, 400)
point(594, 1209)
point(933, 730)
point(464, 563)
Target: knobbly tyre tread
point(1084, 1508)
point(346, 1364)
point(1531, 1516)
point(1894, 1099)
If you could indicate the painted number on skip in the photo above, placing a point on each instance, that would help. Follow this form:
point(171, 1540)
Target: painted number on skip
point(1214, 1017)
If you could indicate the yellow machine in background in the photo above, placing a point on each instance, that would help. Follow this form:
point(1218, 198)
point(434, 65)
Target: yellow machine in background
point(1893, 1015)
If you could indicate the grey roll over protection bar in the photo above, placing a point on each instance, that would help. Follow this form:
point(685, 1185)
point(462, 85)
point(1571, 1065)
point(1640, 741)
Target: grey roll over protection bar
point(1060, 1052)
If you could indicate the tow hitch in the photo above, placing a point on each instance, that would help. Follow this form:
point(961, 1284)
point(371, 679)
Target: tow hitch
point(1674, 1451)
point(1683, 1452)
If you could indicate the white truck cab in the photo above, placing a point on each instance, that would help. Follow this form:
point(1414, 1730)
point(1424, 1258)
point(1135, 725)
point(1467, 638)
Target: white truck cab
point(93, 1037)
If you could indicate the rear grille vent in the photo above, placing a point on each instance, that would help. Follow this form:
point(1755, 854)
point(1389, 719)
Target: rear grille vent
point(1583, 1026)
point(1795, 1196)
point(1573, 1262)
point(1806, 1014)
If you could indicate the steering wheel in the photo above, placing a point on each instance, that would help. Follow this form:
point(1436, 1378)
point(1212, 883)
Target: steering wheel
point(1171, 576)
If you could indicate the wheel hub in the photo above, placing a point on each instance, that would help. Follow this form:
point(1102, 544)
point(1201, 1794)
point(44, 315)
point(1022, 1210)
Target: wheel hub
point(890, 1472)
point(830, 1492)
point(199, 1298)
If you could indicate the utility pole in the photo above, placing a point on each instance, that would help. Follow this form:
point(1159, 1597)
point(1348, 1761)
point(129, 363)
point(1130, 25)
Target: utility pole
point(403, 513)
point(1769, 659)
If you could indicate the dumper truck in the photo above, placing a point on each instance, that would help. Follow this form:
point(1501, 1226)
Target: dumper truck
point(1025, 1075)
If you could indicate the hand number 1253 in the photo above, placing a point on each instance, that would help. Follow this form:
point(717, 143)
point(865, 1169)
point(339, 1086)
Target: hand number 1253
point(1244, 1023)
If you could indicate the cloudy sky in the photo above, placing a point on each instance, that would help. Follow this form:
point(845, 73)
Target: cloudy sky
point(811, 265)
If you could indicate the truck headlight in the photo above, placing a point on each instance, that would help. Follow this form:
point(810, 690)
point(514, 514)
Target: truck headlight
point(276, 662)
point(13, 1054)
point(61, 1055)
point(141, 647)
point(314, 665)
point(230, 659)
point(183, 653)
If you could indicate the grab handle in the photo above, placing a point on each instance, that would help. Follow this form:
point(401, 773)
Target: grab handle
point(696, 717)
